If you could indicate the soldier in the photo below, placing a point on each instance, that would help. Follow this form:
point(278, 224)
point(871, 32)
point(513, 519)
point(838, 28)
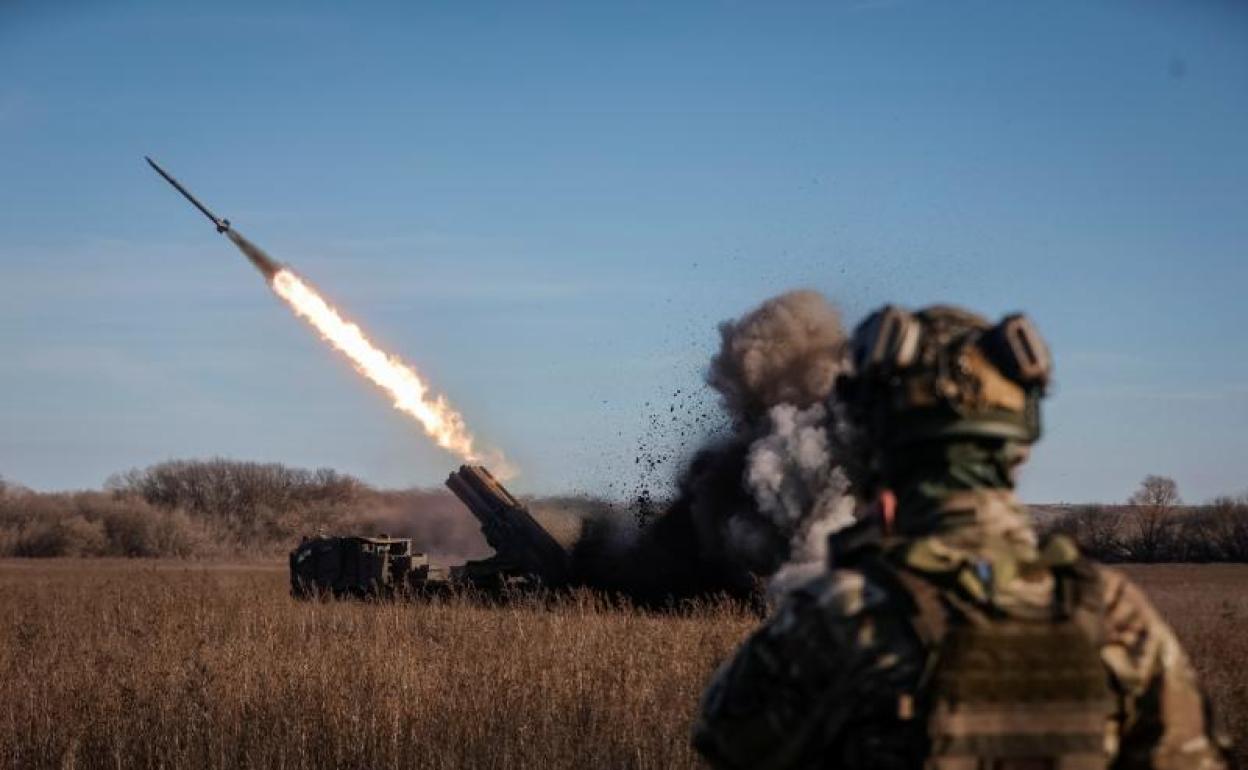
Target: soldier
point(944, 634)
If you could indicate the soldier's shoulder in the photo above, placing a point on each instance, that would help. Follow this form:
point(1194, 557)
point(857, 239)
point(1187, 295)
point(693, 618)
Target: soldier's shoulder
point(1138, 644)
point(1108, 576)
point(1123, 604)
point(1118, 590)
point(1145, 658)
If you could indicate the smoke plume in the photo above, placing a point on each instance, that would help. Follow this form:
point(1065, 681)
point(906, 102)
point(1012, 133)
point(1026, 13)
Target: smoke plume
point(798, 485)
point(786, 351)
point(762, 501)
point(757, 501)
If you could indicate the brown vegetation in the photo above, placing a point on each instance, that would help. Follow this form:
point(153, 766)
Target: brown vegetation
point(147, 664)
point(1154, 526)
point(143, 664)
point(214, 509)
point(220, 508)
point(1207, 607)
point(1216, 532)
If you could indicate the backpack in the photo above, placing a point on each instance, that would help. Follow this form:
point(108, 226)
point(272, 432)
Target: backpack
point(1010, 687)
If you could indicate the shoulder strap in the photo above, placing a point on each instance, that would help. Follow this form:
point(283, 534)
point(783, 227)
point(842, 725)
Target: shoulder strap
point(919, 597)
point(930, 617)
point(1077, 594)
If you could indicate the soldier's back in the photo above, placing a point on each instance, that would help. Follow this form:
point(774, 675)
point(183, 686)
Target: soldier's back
point(965, 651)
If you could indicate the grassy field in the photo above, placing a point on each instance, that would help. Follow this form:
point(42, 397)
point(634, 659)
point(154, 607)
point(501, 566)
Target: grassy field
point(1208, 608)
point(169, 664)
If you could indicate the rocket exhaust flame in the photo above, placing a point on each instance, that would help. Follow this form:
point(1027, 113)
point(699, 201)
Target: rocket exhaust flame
point(402, 383)
point(399, 381)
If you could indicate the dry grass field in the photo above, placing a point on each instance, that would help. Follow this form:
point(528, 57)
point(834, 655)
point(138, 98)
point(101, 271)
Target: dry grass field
point(149, 664)
point(169, 664)
point(1207, 606)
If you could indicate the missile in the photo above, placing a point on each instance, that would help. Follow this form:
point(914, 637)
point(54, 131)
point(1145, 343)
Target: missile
point(267, 266)
point(221, 224)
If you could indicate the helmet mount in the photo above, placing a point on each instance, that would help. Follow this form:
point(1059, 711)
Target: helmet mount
point(943, 373)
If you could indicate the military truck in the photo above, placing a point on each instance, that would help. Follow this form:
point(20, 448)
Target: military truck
point(525, 554)
point(354, 566)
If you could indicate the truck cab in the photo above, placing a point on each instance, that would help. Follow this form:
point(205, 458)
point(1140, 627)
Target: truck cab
point(356, 567)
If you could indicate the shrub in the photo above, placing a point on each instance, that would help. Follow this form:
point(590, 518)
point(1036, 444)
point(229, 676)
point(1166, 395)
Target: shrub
point(1095, 528)
point(61, 536)
point(1217, 532)
point(195, 509)
point(139, 532)
point(230, 490)
point(1228, 527)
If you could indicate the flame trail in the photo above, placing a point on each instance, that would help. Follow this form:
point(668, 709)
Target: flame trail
point(401, 382)
point(410, 393)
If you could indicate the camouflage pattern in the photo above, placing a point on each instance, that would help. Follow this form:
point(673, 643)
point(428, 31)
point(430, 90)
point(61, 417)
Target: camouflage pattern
point(825, 682)
point(944, 635)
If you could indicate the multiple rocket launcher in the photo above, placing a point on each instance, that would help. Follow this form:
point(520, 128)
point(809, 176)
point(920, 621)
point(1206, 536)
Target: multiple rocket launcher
point(523, 548)
point(525, 554)
point(521, 545)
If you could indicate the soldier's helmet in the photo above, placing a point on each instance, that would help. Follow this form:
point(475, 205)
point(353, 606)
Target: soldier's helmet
point(944, 373)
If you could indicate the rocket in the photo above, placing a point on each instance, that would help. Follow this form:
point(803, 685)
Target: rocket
point(267, 266)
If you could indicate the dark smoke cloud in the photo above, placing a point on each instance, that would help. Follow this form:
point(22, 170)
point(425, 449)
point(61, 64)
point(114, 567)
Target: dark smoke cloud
point(757, 499)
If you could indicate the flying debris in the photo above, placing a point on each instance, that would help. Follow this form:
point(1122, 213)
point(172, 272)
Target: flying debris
point(267, 266)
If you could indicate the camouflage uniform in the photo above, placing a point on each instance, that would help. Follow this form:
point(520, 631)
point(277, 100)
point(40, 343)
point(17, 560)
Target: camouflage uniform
point(821, 684)
point(837, 676)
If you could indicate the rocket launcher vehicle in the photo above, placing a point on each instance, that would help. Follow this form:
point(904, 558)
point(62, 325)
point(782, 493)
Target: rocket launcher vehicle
point(519, 542)
point(525, 554)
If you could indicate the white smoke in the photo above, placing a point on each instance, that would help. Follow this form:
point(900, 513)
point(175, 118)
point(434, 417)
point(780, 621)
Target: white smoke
point(764, 497)
point(798, 486)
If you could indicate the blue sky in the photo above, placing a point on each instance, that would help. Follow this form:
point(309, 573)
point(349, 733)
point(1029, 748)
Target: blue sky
point(548, 207)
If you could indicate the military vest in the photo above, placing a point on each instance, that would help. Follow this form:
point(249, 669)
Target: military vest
point(1013, 693)
point(1013, 678)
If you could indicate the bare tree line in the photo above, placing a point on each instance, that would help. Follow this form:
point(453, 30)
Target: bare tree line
point(223, 508)
point(219, 508)
point(1155, 526)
